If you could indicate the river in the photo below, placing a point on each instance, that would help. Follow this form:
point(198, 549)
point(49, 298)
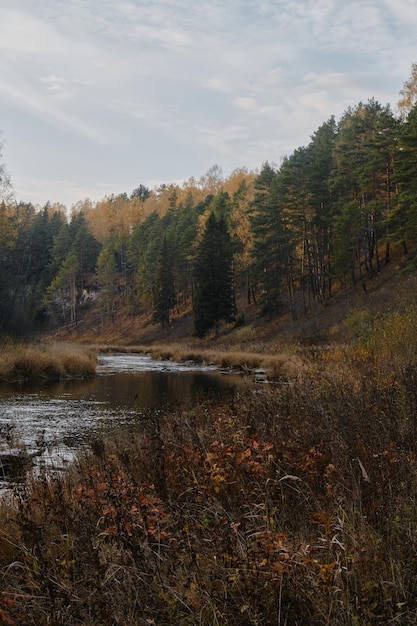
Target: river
point(58, 420)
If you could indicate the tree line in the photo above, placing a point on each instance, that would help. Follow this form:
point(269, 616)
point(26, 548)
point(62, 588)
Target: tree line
point(280, 238)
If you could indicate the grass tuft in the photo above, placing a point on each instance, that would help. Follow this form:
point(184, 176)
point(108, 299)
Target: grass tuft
point(28, 363)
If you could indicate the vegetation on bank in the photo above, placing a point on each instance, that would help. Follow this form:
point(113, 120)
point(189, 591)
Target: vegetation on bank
point(294, 504)
point(286, 364)
point(45, 361)
point(381, 323)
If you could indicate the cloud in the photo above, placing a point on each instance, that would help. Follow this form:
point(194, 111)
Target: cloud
point(403, 12)
point(61, 87)
point(150, 89)
point(21, 35)
point(218, 84)
point(30, 100)
point(40, 190)
point(246, 103)
point(65, 191)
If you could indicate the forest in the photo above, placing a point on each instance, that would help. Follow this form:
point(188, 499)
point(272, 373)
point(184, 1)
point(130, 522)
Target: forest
point(283, 238)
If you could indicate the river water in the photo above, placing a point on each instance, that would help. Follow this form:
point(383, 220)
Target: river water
point(58, 420)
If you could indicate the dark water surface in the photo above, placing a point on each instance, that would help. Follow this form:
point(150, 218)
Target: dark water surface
point(60, 419)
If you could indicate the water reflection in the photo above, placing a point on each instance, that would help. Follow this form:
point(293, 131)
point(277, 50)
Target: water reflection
point(157, 389)
point(61, 418)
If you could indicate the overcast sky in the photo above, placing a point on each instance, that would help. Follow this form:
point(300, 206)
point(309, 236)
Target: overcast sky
point(100, 96)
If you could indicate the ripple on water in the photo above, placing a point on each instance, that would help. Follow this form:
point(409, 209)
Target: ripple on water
point(116, 363)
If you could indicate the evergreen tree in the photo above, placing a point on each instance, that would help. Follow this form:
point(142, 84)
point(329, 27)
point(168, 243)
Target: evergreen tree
point(274, 230)
point(241, 228)
point(22, 269)
point(364, 151)
point(321, 164)
point(214, 298)
point(106, 275)
point(44, 229)
point(149, 259)
point(262, 225)
point(164, 299)
point(73, 258)
point(142, 192)
point(61, 295)
point(292, 238)
point(404, 218)
point(186, 238)
point(9, 234)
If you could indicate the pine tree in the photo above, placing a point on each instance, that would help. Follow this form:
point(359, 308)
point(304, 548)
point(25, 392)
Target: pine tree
point(321, 164)
point(262, 215)
point(164, 299)
point(106, 275)
point(274, 230)
point(73, 258)
point(292, 239)
point(404, 219)
point(364, 151)
point(214, 298)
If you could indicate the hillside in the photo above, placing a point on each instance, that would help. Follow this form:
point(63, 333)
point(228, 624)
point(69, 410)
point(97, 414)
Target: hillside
point(340, 319)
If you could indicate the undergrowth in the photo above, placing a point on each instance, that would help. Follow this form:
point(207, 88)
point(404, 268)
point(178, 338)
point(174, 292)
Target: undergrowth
point(293, 504)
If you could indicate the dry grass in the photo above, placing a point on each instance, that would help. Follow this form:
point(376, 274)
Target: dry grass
point(278, 365)
point(295, 506)
point(27, 362)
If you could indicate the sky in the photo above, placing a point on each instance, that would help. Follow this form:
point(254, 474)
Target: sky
point(100, 96)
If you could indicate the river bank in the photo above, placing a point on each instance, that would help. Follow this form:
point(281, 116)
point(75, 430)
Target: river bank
point(52, 361)
point(287, 363)
point(47, 361)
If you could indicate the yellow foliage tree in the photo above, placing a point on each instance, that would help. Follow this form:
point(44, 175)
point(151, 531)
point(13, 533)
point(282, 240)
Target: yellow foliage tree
point(408, 93)
point(8, 230)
